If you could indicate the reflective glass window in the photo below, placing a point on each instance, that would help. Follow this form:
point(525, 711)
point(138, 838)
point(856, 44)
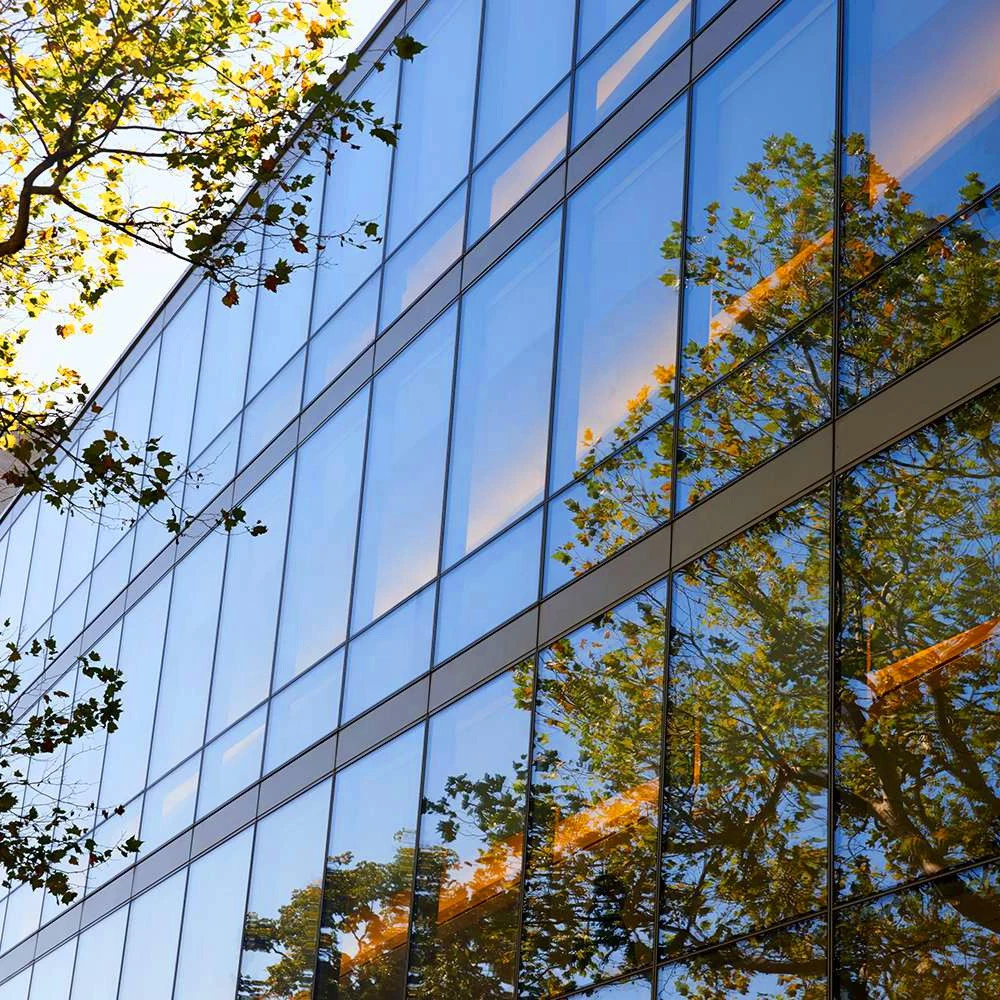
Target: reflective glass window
point(111, 576)
point(17, 988)
point(321, 541)
point(436, 105)
point(356, 191)
point(245, 644)
point(99, 958)
point(232, 762)
point(760, 213)
point(368, 883)
point(15, 574)
point(922, 119)
point(590, 883)
point(636, 988)
point(187, 655)
point(404, 477)
point(24, 908)
point(522, 160)
point(918, 765)
point(618, 336)
point(424, 256)
point(209, 956)
point(275, 405)
point(489, 587)
point(52, 975)
point(283, 908)
point(527, 49)
point(41, 588)
point(465, 912)
point(500, 426)
point(112, 834)
point(633, 52)
point(169, 805)
point(707, 9)
point(745, 826)
point(597, 18)
point(212, 469)
point(77, 556)
point(390, 654)
point(154, 928)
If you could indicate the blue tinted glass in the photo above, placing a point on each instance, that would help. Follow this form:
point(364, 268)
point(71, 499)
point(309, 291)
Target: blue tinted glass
point(118, 828)
point(41, 590)
point(525, 158)
point(922, 109)
point(154, 926)
point(597, 18)
point(16, 988)
point(77, 557)
point(631, 989)
point(53, 974)
point(274, 407)
point(356, 191)
point(135, 398)
point(343, 338)
point(99, 959)
point(390, 654)
point(427, 254)
point(187, 655)
point(489, 587)
point(304, 711)
point(707, 9)
point(208, 960)
point(436, 106)
point(626, 60)
point(213, 468)
point(250, 597)
point(617, 343)
point(760, 212)
point(70, 618)
point(232, 762)
point(111, 576)
point(527, 49)
point(15, 574)
point(321, 541)
point(404, 478)
point(169, 805)
point(500, 427)
point(24, 907)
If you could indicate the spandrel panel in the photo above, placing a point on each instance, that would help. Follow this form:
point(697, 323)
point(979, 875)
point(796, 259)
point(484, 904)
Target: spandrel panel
point(760, 210)
point(154, 928)
point(590, 882)
point(745, 825)
point(918, 645)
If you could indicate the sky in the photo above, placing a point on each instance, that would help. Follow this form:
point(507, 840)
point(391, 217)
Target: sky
point(147, 275)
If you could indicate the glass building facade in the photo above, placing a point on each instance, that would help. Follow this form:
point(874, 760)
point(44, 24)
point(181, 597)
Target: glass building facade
point(628, 620)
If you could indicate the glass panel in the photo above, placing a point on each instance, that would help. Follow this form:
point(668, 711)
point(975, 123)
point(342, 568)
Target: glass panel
point(524, 159)
point(767, 404)
point(618, 338)
point(213, 468)
point(99, 959)
point(321, 542)
point(436, 104)
point(638, 988)
point(232, 762)
point(113, 834)
point(625, 497)
point(304, 711)
point(626, 60)
point(707, 9)
point(465, 912)
point(368, 883)
point(154, 927)
point(245, 645)
point(283, 909)
point(919, 653)
point(390, 654)
point(356, 191)
point(15, 576)
point(924, 302)
point(77, 556)
point(591, 881)
point(169, 806)
point(53, 974)
point(404, 479)
point(423, 257)
point(342, 339)
point(187, 657)
point(489, 587)
point(276, 405)
point(597, 18)
point(111, 577)
point(16, 988)
point(209, 955)
point(745, 827)
point(24, 907)
point(519, 66)
point(761, 191)
point(500, 426)
point(922, 119)
point(41, 590)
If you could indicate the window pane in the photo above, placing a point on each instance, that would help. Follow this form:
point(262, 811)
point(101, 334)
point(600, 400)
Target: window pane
point(15, 575)
point(626, 60)
point(465, 915)
point(390, 654)
point(169, 805)
point(368, 883)
point(283, 910)
point(52, 975)
point(919, 653)
point(500, 426)
point(744, 836)
point(232, 762)
point(154, 926)
point(761, 190)
point(24, 908)
point(111, 834)
point(922, 110)
point(99, 958)
point(321, 541)
point(16, 988)
point(209, 954)
point(519, 66)
point(110, 577)
point(250, 598)
point(276, 405)
point(404, 479)
point(597, 18)
point(707, 9)
point(41, 589)
point(618, 338)
point(591, 879)
point(489, 587)
point(639, 988)
point(436, 105)
point(525, 158)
